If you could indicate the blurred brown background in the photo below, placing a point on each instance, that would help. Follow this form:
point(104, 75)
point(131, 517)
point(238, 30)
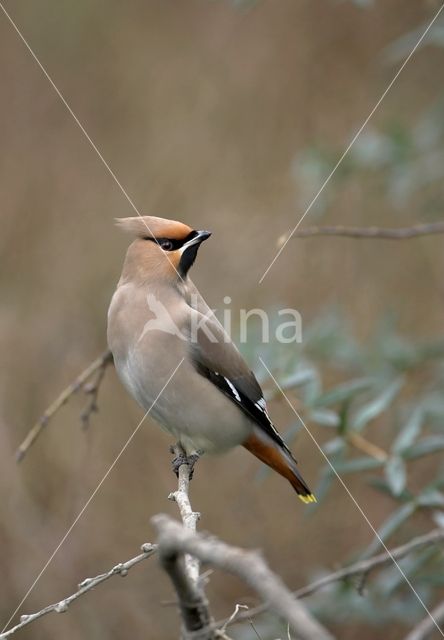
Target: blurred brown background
point(201, 108)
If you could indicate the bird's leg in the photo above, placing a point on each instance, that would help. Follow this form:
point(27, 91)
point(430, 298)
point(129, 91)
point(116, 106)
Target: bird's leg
point(180, 458)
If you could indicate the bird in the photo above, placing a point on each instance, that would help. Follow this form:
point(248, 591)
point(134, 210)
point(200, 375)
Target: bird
point(159, 324)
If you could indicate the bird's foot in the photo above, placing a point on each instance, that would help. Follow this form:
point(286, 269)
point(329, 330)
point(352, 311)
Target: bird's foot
point(181, 458)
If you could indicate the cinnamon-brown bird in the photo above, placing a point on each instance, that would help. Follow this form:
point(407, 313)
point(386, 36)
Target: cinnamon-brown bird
point(156, 320)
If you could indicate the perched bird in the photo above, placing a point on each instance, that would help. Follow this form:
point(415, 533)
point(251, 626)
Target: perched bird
point(156, 320)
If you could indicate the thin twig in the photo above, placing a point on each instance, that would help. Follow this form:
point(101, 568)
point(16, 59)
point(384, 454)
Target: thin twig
point(233, 616)
point(221, 635)
point(100, 365)
point(92, 389)
point(362, 444)
point(189, 517)
point(174, 540)
point(86, 585)
point(400, 233)
point(428, 624)
point(362, 567)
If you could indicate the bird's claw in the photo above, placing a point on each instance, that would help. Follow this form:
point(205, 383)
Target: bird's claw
point(182, 459)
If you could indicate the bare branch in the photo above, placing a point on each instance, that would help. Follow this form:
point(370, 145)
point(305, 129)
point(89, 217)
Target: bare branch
point(400, 233)
point(86, 585)
point(360, 568)
point(174, 541)
point(189, 517)
point(428, 624)
point(100, 364)
point(197, 622)
point(183, 569)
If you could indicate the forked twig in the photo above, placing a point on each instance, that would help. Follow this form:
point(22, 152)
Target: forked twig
point(362, 567)
point(175, 541)
point(100, 365)
point(86, 585)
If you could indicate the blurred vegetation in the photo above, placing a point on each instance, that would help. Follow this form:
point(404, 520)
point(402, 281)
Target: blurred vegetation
point(384, 421)
point(229, 115)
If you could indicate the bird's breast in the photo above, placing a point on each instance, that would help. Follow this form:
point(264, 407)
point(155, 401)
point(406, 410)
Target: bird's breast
point(152, 358)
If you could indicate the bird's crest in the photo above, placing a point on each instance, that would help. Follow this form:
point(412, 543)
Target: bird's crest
point(152, 227)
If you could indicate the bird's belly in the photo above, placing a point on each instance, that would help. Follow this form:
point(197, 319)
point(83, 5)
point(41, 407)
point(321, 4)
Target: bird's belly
point(199, 431)
point(189, 406)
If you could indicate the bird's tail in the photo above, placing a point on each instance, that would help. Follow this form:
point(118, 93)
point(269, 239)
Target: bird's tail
point(279, 460)
point(300, 486)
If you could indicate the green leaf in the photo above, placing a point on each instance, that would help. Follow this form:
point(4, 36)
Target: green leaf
point(298, 378)
point(324, 484)
point(344, 392)
point(292, 430)
point(380, 484)
point(311, 390)
point(434, 579)
point(393, 579)
point(438, 518)
point(395, 473)
point(324, 417)
point(358, 464)
point(393, 522)
point(344, 418)
point(336, 445)
point(424, 447)
point(378, 405)
point(409, 432)
point(431, 498)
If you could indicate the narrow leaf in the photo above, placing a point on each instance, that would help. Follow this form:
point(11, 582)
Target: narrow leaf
point(410, 431)
point(438, 517)
point(378, 405)
point(336, 445)
point(392, 578)
point(344, 392)
point(393, 522)
point(298, 378)
point(358, 464)
point(431, 498)
point(324, 484)
point(324, 417)
point(428, 445)
point(395, 473)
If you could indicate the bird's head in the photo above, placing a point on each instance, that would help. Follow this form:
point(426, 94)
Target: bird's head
point(166, 248)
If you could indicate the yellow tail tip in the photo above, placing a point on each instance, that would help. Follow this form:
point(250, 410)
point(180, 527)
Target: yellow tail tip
point(308, 499)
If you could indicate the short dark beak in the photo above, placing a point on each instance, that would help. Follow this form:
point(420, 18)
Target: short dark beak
point(197, 239)
point(203, 235)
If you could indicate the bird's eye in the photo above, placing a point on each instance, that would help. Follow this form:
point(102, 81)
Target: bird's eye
point(167, 245)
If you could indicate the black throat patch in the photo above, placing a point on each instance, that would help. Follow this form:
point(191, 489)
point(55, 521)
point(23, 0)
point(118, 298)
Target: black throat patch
point(187, 259)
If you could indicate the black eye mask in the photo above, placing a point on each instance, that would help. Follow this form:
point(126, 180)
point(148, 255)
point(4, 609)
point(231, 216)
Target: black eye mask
point(172, 244)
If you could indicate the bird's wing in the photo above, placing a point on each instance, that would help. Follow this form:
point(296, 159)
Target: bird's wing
point(216, 357)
